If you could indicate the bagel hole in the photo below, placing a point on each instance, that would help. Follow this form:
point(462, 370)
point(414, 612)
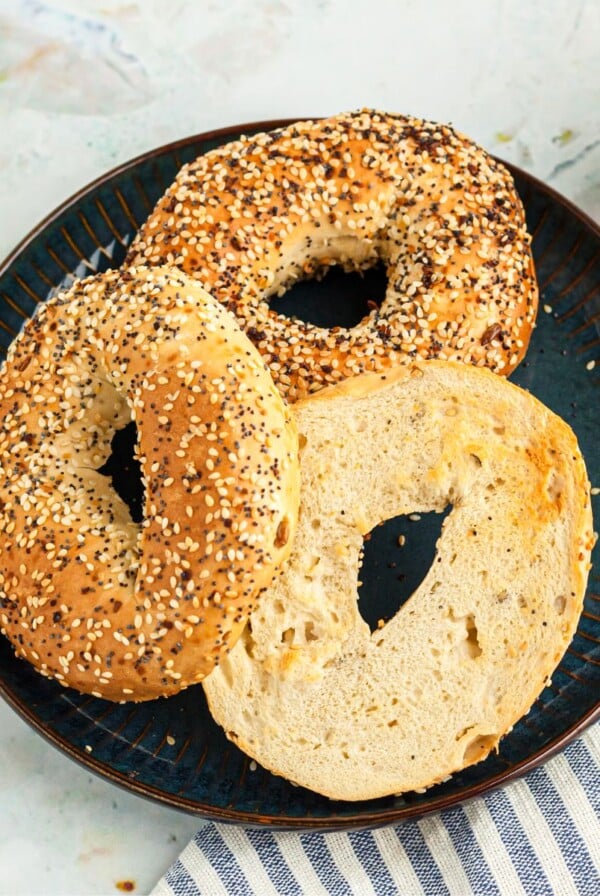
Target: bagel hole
point(335, 298)
point(560, 604)
point(282, 535)
point(496, 484)
point(555, 488)
point(247, 641)
point(473, 647)
point(479, 747)
point(397, 555)
point(469, 645)
point(124, 470)
point(310, 633)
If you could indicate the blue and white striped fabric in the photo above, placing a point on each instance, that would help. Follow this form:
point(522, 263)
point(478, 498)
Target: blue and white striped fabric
point(539, 836)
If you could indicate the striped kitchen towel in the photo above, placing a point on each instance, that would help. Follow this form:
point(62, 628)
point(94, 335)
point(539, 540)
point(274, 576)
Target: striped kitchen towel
point(538, 836)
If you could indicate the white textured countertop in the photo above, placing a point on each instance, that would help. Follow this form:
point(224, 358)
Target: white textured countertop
point(85, 85)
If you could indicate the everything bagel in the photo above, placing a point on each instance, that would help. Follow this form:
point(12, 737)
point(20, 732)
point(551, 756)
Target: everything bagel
point(249, 218)
point(308, 690)
point(122, 610)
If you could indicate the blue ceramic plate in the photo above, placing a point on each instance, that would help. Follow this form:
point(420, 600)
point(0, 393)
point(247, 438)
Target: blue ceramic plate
point(171, 750)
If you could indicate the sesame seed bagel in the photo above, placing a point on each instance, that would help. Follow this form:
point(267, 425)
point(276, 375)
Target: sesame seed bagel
point(122, 610)
point(308, 690)
point(249, 218)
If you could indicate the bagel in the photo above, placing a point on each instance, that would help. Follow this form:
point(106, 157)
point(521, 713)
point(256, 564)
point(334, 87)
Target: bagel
point(249, 218)
point(114, 608)
point(308, 691)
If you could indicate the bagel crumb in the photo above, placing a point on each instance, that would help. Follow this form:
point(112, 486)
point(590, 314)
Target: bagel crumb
point(358, 713)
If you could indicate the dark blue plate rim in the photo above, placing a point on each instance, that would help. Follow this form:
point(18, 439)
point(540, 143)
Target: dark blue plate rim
point(223, 814)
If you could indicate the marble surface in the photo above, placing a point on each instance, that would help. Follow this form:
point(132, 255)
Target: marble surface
point(87, 84)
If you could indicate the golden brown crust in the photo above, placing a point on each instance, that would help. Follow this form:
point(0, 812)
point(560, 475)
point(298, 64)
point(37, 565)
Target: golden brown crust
point(249, 218)
point(121, 610)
